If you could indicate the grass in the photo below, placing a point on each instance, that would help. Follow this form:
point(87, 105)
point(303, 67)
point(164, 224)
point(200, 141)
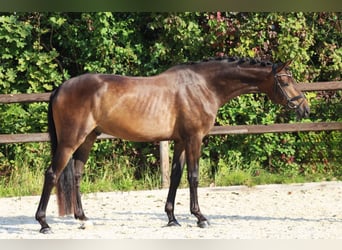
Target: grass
point(29, 181)
point(122, 178)
point(240, 177)
point(22, 183)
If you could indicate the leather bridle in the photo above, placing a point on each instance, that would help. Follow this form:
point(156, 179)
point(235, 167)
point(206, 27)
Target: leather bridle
point(281, 86)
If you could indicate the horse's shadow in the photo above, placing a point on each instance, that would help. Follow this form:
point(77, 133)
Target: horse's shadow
point(8, 224)
point(188, 218)
point(269, 218)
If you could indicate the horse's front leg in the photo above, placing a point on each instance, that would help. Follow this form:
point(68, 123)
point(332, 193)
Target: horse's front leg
point(193, 152)
point(178, 162)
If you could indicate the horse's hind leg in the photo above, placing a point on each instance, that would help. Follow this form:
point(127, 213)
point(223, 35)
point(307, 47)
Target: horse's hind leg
point(49, 182)
point(80, 158)
point(176, 174)
point(59, 161)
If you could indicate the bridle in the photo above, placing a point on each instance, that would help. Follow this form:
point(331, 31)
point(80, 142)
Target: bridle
point(281, 86)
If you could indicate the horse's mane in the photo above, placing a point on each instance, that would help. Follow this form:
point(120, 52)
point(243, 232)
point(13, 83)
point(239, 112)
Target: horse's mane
point(238, 60)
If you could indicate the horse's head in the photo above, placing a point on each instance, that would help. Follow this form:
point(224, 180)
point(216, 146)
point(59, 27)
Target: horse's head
point(283, 90)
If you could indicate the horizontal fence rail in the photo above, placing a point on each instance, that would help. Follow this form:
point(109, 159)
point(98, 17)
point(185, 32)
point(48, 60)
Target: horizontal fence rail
point(36, 137)
point(24, 98)
point(164, 146)
point(43, 97)
point(216, 130)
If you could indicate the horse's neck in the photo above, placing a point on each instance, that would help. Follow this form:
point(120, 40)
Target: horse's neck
point(230, 82)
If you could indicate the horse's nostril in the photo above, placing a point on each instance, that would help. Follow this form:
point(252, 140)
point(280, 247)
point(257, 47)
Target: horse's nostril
point(303, 111)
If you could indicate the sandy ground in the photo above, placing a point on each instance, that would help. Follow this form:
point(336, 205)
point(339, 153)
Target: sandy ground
point(300, 211)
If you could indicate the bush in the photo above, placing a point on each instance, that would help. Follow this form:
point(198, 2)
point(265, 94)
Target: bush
point(41, 50)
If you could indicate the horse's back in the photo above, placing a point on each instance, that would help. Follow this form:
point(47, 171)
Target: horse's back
point(132, 108)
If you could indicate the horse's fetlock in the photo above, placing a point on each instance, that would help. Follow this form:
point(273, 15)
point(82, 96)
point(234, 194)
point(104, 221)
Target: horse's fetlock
point(168, 207)
point(40, 215)
point(195, 210)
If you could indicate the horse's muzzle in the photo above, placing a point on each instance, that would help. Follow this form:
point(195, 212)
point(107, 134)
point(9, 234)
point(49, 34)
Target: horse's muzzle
point(303, 111)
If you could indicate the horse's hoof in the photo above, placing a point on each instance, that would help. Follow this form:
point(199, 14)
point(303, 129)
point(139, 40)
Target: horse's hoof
point(45, 230)
point(81, 217)
point(173, 223)
point(203, 224)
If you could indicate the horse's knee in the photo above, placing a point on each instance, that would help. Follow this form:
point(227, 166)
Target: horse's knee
point(193, 180)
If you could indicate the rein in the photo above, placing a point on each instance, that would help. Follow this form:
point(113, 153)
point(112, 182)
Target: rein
point(281, 85)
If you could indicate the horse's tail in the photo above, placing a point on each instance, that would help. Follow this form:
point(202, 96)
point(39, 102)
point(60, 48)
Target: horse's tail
point(66, 190)
point(65, 183)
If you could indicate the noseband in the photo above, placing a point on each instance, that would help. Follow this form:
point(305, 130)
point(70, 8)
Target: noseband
point(281, 86)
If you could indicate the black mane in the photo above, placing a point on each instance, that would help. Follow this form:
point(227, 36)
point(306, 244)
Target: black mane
point(239, 60)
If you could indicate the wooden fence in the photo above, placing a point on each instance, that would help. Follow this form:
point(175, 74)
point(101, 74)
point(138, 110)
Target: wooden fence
point(164, 147)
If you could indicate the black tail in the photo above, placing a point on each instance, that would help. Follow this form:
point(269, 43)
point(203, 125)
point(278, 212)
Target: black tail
point(66, 182)
point(51, 124)
point(66, 190)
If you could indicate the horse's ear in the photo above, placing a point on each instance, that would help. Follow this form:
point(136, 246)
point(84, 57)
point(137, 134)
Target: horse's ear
point(280, 66)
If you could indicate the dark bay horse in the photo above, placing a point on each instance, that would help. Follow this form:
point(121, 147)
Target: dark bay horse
point(179, 104)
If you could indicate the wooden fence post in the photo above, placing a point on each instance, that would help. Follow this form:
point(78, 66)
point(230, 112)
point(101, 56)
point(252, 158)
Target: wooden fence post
point(164, 163)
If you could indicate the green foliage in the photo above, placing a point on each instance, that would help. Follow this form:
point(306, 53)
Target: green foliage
point(38, 51)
